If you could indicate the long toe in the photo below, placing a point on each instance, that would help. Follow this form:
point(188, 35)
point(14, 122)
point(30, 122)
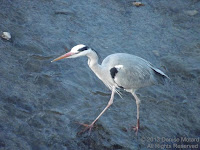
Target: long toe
point(87, 127)
point(135, 128)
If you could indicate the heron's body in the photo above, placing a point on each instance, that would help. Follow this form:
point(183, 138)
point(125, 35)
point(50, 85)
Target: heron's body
point(119, 70)
point(133, 72)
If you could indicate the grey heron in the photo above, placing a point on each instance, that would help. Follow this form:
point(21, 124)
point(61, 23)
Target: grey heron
point(119, 71)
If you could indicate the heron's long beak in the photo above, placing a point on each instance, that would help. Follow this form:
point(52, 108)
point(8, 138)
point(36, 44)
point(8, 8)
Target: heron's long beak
point(63, 56)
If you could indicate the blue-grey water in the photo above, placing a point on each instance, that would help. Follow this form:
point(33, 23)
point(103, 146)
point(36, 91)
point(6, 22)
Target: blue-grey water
point(40, 101)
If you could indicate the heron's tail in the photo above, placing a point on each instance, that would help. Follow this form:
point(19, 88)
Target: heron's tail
point(160, 76)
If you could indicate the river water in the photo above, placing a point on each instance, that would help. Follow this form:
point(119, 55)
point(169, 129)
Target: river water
point(40, 101)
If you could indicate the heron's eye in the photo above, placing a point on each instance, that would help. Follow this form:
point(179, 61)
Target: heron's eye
point(83, 49)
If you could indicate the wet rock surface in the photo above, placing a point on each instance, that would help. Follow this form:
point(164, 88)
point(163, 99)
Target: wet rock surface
point(40, 101)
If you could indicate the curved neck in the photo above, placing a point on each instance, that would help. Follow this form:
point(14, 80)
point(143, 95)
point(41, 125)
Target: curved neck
point(92, 59)
point(93, 63)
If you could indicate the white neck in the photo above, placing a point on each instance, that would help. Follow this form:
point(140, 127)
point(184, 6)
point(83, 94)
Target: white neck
point(93, 63)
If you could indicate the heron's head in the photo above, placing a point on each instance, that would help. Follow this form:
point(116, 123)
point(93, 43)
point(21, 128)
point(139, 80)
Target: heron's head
point(76, 51)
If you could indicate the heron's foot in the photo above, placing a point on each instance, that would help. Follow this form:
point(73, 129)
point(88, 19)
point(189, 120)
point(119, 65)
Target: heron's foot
point(87, 127)
point(136, 128)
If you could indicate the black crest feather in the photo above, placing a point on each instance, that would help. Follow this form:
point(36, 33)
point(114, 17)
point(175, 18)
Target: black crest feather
point(83, 48)
point(86, 48)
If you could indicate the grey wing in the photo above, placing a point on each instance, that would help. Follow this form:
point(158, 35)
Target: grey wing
point(131, 72)
point(134, 76)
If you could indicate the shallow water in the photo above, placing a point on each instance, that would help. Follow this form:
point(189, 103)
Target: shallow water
point(42, 101)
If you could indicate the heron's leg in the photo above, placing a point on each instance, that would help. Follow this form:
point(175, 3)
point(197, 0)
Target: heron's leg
point(108, 105)
point(138, 112)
